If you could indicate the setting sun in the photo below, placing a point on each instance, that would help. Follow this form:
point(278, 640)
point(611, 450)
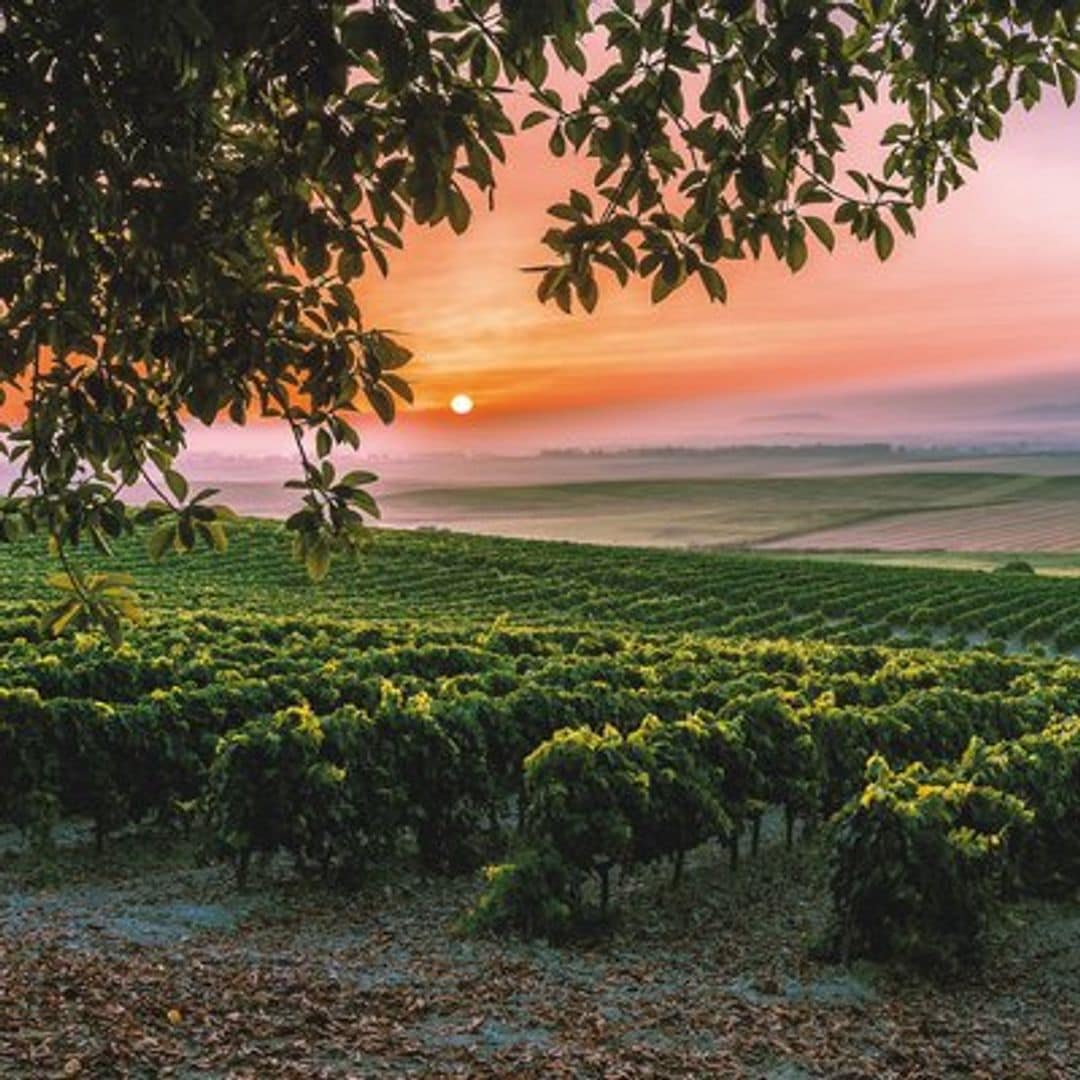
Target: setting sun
point(462, 404)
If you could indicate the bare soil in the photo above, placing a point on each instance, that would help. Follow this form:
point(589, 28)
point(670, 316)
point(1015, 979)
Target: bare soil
point(145, 965)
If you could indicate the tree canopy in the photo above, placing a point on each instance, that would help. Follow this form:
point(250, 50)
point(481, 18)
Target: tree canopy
point(191, 194)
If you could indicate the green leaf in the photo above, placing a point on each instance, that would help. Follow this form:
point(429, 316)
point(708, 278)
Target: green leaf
point(55, 621)
point(398, 385)
point(588, 293)
point(358, 477)
point(381, 402)
point(176, 484)
point(184, 539)
point(216, 534)
point(661, 288)
point(797, 252)
point(317, 559)
point(883, 240)
point(823, 231)
point(903, 218)
point(390, 354)
point(458, 211)
point(1067, 81)
point(350, 264)
point(161, 539)
point(364, 501)
point(714, 283)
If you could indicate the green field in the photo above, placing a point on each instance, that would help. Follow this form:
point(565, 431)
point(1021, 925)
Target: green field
point(901, 510)
point(293, 789)
point(450, 578)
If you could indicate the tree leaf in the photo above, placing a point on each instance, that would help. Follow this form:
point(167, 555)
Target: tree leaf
point(176, 484)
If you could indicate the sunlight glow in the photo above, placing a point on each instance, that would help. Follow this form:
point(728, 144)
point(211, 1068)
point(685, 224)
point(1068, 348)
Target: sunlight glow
point(462, 404)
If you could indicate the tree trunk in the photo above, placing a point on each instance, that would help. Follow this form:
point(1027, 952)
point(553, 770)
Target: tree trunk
point(676, 876)
point(605, 887)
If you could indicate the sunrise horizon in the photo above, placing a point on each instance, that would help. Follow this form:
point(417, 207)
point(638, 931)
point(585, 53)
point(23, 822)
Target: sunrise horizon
point(983, 294)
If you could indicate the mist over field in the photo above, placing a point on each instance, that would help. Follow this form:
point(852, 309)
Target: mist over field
point(842, 499)
point(804, 470)
point(972, 466)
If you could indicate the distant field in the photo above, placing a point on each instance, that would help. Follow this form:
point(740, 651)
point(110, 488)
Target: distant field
point(1027, 525)
point(845, 500)
point(898, 511)
point(1053, 564)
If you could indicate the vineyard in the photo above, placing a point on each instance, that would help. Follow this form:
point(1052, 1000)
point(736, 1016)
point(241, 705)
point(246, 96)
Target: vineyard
point(568, 717)
point(577, 733)
point(450, 578)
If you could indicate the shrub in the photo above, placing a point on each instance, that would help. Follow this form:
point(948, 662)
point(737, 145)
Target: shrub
point(93, 752)
point(167, 758)
point(271, 789)
point(1015, 566)
point(530, 895)
point(918, 861)
point(440, 757)
point(1043, 769)
point(684, 807)
point(29, 764)
point(785, 755)
point(372, 799)
point(727, 750)
point(502, 743)
point(586, 795)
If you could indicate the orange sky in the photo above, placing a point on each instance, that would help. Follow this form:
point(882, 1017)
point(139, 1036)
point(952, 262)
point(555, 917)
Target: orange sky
point(990, 287)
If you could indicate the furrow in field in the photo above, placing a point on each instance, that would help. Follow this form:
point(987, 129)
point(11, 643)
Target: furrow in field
point(1023, 526)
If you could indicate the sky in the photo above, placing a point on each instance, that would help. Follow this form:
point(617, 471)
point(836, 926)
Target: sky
point(970, 331)
point(986, 296)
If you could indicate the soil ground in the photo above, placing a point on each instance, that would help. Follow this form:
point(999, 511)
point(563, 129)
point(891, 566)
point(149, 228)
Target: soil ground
point(143, 964)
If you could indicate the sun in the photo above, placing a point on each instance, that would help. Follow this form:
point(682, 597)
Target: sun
point(462, 404)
